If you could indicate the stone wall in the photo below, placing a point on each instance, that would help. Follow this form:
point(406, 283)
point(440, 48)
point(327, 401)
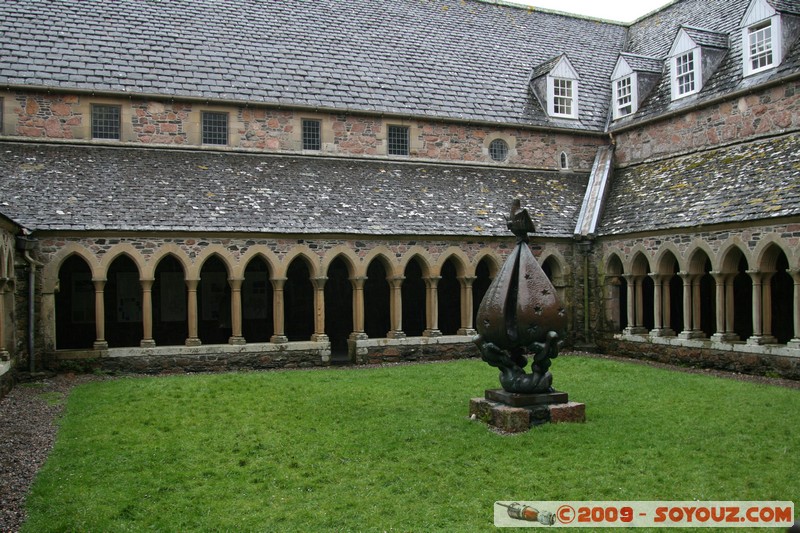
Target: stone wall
point(752, 360)
point(767, 112)
point(68, 117)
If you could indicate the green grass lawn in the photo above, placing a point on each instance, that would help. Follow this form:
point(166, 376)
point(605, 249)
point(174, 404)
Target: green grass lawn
point(392, 449)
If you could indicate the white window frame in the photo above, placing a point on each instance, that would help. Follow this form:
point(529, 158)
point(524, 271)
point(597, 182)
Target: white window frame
point(695, 72)
point(628, 99)
point(568, 100)
point(773, 24)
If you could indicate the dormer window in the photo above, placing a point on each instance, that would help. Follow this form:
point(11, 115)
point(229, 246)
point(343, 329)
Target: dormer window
point(684, 81)
point(555, 85)
point(694, 57)
point(761, 38)
point(633, 79)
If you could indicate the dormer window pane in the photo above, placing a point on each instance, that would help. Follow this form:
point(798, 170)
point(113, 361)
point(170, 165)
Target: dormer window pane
point(685, 73)
point(624, 96)
point(760, 42)
point(562, 97)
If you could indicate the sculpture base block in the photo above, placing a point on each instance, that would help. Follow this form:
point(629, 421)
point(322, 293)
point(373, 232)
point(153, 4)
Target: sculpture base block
point(523, 400)
point(529, 411)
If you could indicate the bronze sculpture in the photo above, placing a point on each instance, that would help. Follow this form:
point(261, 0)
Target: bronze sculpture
point(520, 315)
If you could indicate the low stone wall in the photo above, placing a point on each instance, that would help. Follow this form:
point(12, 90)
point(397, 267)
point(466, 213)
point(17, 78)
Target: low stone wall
point(257, 356)
point(6, 378)
point(374, 351)
point(766, 360)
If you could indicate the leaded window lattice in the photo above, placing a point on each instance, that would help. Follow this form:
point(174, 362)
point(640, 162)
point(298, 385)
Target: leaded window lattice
point(215, 128)
point(106, 122)
point(397, 140)
point(312, 136)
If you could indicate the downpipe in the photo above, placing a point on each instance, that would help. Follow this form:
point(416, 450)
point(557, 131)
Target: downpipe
point(26, 244)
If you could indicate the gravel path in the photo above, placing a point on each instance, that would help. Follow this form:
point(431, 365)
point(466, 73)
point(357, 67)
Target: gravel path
point(28, 425)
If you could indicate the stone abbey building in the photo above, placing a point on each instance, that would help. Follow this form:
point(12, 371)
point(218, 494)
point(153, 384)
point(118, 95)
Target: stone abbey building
point(254, 184)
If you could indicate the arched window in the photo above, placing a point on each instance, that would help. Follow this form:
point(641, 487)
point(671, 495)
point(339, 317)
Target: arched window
point(563, 161)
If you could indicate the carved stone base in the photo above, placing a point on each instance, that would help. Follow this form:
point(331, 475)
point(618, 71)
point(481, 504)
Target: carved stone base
point(525, 410)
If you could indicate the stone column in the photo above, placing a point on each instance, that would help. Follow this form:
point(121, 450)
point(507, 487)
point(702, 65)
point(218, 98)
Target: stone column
point(432, 306)
point(100, 315)
point(396, 308)
point(658, 306)
point(632, 327)
point(236, 311)
point(724, 298)
point(319, 309)
point(278, 312)
point(759, 310)
point(191, 312)
point(687, 305)
point(467, 327)
point(147, 313)
point(639, 282)
point(795, 341)
point(358, 308)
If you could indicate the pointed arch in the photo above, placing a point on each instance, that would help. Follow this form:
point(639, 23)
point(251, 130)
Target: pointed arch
point(490, 259)
point(344, 254)
point(51, 269)
point(166, 249)
point(121, 249)
point(420, 254)
point(386, 256)
point(210, 251)
point(303, 253)
point(459, 258)
point(259, 251)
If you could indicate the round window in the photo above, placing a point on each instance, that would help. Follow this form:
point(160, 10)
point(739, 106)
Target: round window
point(498, 150)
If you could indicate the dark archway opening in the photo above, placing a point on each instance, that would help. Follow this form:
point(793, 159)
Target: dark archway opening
point(257, 297)
point(413, 290)
point(298, 302)
point(743, 301)
point(123, 304)
point(479, 287)
point(170, 325)
point(75, 309)
point(449, 296)
point(782, 287)
point(376, 301)
point(214, 303)
point(338, 306)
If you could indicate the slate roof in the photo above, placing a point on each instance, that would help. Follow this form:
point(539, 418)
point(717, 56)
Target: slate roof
point(653, 36)
point(62, 187)
point(455, 59)
point(756, 181)
point(643, 63)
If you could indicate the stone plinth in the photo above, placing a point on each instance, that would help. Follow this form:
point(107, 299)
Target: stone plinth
point(515, 413)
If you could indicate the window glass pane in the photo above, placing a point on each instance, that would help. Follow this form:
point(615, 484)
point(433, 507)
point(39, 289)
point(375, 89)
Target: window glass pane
point(312, 139)
point(760, 38)
point(397, 140)
point(684, 73)
point(624, 97)
point(105, 122)
point(562, 97)
point(215, 128)
point(498, 150)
